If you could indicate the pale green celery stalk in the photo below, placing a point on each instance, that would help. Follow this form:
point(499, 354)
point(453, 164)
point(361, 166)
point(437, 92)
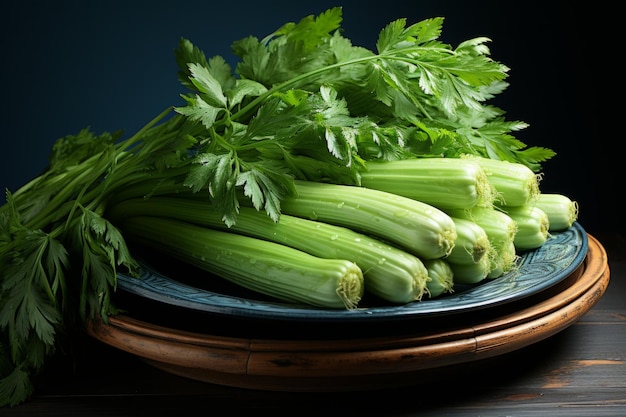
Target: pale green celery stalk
point(441, 182)
point(441, 277)
point(390, 273)
point(532, 226)
point(515, 183)
point(417, 227)
point(473, 254)
point(562, 211)
point(269, 268)
point(505, 262)
point(499, 226)
point(473, 273)
point(472, 242)
point(501, 230)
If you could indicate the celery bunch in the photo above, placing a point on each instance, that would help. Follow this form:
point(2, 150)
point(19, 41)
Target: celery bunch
point(390, 273)
point(303, 105)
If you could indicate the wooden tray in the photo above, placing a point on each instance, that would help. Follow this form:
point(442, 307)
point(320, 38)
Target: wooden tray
point(326, 364)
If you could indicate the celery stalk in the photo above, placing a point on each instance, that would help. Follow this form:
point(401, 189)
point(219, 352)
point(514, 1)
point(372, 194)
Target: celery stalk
point(562, 212)
point(472, 242)
point(269, 268)
point(417, 227)
point(501, 230)
point(441, 182)
point(472, 273)
point(441, 277)
point(532, 226)
point(515, 183)
point(505, 261)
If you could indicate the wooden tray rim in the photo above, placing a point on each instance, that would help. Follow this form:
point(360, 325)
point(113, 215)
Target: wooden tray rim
point(297, 364)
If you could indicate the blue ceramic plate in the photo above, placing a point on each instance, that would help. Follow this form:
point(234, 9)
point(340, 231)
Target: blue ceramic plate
point(538, 270)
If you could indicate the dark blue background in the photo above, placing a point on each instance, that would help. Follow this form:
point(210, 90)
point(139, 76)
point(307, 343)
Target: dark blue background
point(109, 65)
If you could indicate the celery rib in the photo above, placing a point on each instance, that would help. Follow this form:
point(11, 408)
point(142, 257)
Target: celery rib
point(441, 277)
point(515, 183)
point(269, 268)
point(532, 226)
point(501, 230)
point(417, 227)
point(441, 182)
point(472, 242)
point(562, 211)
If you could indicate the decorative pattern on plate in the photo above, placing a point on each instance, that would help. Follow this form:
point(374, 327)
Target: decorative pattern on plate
point(538, 270)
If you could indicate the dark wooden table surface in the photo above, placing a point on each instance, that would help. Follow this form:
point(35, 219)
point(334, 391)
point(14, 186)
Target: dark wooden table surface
point(580, 371)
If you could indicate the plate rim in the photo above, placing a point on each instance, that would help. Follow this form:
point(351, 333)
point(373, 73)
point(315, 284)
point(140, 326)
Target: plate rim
point(154, 285)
